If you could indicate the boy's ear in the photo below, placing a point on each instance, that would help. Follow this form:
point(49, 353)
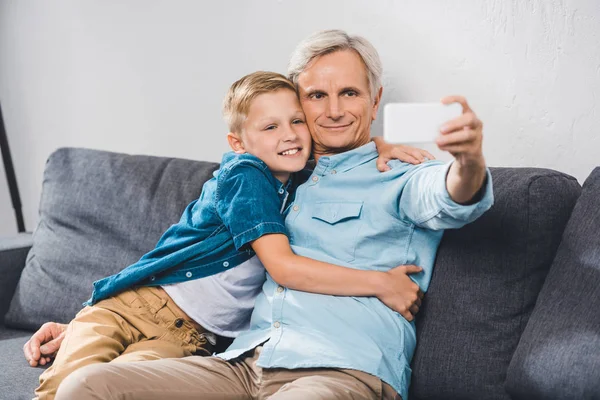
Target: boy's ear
point(235, 142)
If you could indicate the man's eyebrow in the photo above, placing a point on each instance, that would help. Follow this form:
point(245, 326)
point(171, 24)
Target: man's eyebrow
point(310, 91)
point(350, 89)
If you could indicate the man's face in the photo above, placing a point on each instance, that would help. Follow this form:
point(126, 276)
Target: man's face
point(336, 99)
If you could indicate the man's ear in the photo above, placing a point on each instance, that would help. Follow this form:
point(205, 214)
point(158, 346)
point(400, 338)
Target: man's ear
point(235, 142)
point(376, 103)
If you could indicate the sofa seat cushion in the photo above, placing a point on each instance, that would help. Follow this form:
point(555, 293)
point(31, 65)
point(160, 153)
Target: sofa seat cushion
point(99, 212)
point(558, 356)
point(485, 283)
point(17, 379)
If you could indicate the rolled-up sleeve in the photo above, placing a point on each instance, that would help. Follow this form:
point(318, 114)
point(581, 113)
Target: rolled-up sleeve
point(425, 201)
point(248, 204)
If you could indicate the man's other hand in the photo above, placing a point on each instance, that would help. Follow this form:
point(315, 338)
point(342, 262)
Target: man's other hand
point(400, 293)
point(408, 154)
point(44, 344)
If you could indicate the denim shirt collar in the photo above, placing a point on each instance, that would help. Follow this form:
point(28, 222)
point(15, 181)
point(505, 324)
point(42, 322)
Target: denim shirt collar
point(231, 157)
point(347, 160)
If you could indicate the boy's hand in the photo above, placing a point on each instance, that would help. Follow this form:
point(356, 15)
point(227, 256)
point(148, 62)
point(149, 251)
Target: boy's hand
point(400, 152)
point(400, 293)
point(44, 344)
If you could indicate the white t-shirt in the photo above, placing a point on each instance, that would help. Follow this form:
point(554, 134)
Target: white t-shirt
point(221, 303)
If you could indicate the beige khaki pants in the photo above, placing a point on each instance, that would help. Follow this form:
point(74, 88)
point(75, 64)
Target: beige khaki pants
point(136, 325)
point(211, 378)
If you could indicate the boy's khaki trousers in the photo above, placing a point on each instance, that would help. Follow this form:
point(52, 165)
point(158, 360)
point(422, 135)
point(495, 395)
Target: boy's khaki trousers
point(136, 325)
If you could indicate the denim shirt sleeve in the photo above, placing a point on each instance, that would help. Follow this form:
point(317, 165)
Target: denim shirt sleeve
point(248, 204)
point(425, 200)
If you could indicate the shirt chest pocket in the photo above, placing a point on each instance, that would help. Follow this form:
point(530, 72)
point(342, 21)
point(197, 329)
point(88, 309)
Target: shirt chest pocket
point(337, 228)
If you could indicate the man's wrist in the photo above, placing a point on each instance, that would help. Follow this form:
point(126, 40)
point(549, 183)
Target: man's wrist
point(465, 179)
point(468, 166)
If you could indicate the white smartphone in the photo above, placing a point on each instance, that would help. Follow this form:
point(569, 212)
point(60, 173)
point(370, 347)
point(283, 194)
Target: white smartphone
point(416, 122)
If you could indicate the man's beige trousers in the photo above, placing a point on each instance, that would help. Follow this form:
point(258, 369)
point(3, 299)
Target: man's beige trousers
point(211, 378)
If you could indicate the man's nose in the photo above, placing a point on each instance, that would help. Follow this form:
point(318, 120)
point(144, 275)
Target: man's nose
point(334, 109)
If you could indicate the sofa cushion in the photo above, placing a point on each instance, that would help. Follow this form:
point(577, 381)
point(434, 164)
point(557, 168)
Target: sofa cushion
point(99, 212)
point(485, 283)
point(13, 253)
point(18, 380)
point(558, 356)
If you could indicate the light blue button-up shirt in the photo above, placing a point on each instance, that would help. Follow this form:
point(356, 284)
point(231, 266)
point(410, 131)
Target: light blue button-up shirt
point(348, 213)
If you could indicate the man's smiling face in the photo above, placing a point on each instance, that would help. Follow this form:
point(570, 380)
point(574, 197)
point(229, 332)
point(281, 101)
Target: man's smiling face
point(336, 99)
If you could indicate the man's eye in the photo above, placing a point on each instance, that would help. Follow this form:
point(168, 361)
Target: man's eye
point(317, 96)
point(351, 93)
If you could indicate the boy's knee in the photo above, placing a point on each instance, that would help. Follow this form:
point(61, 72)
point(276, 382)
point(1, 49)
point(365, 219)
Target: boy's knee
point(85, 383)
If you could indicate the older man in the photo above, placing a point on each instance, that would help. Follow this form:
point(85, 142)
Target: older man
point(308, 346)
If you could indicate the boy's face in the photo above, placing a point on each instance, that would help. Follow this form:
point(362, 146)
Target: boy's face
point(275, 131)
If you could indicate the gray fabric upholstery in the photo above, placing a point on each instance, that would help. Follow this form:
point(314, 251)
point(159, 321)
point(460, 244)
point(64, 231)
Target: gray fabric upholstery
point(7, 333)
point(558, 356)
point(485, 283)
point(99, 212)
point(13, 252)
point(18, 380)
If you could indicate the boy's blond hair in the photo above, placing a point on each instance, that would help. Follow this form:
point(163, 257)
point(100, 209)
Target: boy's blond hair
point(237, 102)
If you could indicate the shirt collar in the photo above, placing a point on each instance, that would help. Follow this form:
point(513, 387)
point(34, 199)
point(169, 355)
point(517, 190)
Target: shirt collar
point(231, 157)
point(346, 161)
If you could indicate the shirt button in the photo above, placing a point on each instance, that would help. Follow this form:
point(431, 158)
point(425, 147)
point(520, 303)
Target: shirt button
point(333, 172)
point(188, 274)
point(276, 325)
point(296, 208)
point(179, 323)
point(315, 178)
point(281, 191)
point(279, 289)
point(226, 264)
point(152, 278)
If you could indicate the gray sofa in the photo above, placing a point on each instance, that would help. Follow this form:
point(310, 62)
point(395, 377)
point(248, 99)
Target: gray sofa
point(513, 310)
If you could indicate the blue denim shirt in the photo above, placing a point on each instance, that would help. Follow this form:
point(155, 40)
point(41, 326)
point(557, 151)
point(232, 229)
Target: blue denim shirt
point(242, 202)
point(348, 213)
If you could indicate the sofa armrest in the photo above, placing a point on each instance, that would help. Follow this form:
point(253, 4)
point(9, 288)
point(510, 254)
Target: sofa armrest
point(13, 252)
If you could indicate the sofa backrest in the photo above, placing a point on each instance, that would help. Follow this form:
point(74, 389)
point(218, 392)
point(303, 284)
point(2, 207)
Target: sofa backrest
point(558, 356)
point(485, 283)
point(99, 212)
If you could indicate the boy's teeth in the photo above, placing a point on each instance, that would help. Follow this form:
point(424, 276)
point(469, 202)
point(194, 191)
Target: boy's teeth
point(290, 152)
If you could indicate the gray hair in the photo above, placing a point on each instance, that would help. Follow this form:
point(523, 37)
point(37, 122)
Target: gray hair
point(329, 41)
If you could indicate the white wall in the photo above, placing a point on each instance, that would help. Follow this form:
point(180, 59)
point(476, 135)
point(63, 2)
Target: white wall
point(148, 76)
